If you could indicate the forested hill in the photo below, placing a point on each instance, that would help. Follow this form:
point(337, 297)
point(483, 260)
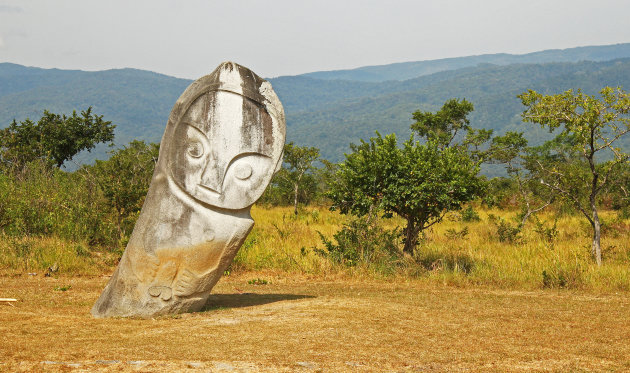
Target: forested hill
point(328, 114)
point(137, 101)
point(409, 70)
point(492, 89)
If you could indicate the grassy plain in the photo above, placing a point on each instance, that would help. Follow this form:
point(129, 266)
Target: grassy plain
point(280, 241)
point(466, 302)
point(453, 252)
point(297, 323)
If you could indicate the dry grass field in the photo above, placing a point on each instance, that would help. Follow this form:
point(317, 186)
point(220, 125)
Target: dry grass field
point(467, 302)
point(305, 323)
point(456, 252)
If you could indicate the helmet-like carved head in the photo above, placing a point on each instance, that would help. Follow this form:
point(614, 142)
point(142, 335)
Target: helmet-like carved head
point(224, 138)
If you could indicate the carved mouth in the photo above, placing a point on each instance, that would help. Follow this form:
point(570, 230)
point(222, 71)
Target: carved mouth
point(207, 189)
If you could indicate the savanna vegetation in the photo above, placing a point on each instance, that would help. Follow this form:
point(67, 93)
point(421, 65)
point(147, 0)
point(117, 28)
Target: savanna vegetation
point(417, 210)
point(403, 257)
point(327, 114)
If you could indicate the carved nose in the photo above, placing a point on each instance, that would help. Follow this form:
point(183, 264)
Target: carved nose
point(212, 177)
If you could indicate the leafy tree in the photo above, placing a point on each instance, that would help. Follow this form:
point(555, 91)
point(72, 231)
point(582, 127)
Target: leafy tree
point(324, 178)
point(592, 126)
point(124, 179)
point(520, 162)
point(443, 126)
point(280, 191)
point(54, 138)
point(298, 161)
point(619, 192)
point(500, 192)
point(418, 182)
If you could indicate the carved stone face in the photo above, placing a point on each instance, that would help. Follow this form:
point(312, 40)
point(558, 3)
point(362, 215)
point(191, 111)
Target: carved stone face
point(222, 151)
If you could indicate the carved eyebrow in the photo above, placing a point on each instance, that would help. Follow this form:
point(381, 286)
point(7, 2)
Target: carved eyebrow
point(242, 155)
point(192, 125)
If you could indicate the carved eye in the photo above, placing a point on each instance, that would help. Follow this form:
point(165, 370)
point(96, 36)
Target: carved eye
point(195, 149)
point(243, 171)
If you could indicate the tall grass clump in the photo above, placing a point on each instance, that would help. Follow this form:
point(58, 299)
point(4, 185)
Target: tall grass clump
point(51, 256)
point(280, 240)
point(42, 201)
point(552, 250)
point(44, 208)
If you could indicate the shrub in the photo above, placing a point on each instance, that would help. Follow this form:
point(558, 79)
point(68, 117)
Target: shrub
point(547, 234)
point(37, 200)
point(362, 242)
point(507, 232)
point(453, 233)
point(469, 215)
point(451, 261)
point(562, 277)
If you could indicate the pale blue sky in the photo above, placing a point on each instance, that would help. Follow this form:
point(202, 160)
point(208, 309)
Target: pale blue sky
point(188, 38)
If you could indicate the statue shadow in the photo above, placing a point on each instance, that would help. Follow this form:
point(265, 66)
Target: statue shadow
point(216, 301)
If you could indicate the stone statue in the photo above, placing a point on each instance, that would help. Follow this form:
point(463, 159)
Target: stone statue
point(222, 144)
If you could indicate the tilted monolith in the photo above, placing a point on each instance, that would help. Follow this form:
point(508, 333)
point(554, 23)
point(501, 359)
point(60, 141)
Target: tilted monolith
point(222, 144)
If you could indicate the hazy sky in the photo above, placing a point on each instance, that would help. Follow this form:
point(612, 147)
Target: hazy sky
point(189, 38)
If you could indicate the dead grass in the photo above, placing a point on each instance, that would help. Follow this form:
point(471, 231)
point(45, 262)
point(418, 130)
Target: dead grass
point(282, 243)
point(37, 254)
point(301, 322)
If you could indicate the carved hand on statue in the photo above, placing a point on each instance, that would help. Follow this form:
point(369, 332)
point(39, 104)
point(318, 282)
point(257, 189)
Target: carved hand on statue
point(166, 273)
point(187, 284)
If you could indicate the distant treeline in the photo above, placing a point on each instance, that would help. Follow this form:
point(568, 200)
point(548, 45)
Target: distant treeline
point(321, 113)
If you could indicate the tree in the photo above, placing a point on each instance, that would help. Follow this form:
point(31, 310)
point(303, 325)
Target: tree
point(520, 162)
point(420, 183)
point(298, 160)
point(592, 126)
point(324, 178)
point(442, 127)
point(54, 138)
point(124, 179)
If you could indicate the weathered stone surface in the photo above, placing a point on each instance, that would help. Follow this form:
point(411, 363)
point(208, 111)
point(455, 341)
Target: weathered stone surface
point(222, 144)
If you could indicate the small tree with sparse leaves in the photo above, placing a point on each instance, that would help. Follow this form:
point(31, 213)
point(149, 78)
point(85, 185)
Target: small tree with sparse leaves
point(593, 126)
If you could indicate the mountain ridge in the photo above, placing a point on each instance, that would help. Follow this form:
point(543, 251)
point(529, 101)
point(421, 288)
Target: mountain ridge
point(328, 114)
point(411, 69)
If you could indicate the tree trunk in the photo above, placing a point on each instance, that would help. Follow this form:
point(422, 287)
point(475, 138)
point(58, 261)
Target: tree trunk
point(596, 250)
point(411, 237)
point(295, 199)
point(525, 217)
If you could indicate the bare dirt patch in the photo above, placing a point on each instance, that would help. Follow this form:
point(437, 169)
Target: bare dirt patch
point(298, 323)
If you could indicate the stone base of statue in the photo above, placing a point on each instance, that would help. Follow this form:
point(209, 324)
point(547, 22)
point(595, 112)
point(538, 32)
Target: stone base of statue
point(222, 144)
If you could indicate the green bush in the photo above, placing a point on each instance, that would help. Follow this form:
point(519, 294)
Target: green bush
point(469, 215)
point(124, 181)
point(506, 232)
point(37, 200)
point(547, 234)
point(362, 242)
